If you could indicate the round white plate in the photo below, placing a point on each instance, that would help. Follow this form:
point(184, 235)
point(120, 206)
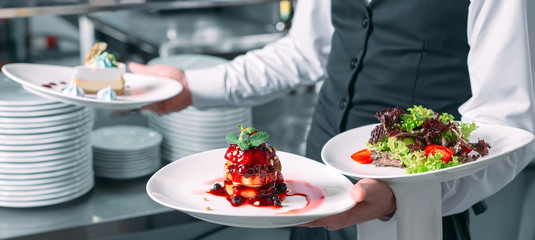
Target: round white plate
point(58, 189)
point(206, 130)
point(84, 114)
point(60, 127)
point(43, 175)
point(182, 184)
point(53, 118)
point(81, 151)
point(337, 151)
point(13, 95)
point(32, 168)
point(140, 89)
point(51, 201)
point(39, 113)
point(232, 121)
point(43, 153)
point(127, 175)
point(39, 181)
point(126, 164)
point(28, 108)
point(83, 131)
point(211, 112)
point(85, 176)
point(125, 138)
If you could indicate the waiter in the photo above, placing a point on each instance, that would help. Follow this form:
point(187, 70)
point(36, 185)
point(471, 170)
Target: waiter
point(470, 59)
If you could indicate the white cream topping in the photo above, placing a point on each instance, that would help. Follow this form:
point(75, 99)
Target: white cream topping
point(107, 94)
point(74, 90)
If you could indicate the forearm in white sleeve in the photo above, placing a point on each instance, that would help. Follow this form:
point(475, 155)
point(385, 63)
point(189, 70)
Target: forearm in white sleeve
point(499, 63)
point(265, 74)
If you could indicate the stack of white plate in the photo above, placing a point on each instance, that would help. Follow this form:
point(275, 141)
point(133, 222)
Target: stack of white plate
point(45, 151)
point(192, 130)
point(123, 151)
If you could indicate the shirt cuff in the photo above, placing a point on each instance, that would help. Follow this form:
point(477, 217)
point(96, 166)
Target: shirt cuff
point(207, 87)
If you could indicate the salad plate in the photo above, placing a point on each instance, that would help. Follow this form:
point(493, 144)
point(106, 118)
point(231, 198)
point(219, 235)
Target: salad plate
point(182, 185)
point(337, 151)
point(140, 89)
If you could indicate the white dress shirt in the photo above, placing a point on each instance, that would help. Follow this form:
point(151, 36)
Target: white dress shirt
point(499, 65)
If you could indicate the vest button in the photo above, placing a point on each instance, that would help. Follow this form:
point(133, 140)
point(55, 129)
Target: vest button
point(364, 22)
point(353, 63)
point(342, 104)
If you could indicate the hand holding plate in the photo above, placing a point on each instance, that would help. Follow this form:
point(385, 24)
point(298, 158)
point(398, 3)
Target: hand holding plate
point(173, 104)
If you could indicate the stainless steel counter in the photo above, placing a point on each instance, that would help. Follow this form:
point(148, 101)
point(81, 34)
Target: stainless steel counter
point(112, 201)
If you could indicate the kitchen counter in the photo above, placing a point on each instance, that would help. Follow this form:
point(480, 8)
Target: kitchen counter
point(112, 201)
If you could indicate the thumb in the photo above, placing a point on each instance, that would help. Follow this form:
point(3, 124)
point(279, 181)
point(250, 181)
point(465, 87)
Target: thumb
point(358, 192)
point(140, 68)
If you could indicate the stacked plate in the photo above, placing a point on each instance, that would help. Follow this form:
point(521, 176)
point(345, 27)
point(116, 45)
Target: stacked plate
point(192, 130)
point(123, 151)
point(45, 155)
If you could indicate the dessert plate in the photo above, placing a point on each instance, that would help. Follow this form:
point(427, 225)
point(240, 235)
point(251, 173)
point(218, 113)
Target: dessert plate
point(182, 185)
point(337, 151)
point(140, 89)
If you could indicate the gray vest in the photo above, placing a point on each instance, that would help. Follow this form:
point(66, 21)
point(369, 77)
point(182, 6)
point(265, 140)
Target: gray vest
point(391, 53)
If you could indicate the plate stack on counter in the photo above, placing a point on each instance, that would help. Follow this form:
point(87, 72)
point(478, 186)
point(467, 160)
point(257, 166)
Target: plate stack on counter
point(193, 130)
point(123, 151)
point(45, 151)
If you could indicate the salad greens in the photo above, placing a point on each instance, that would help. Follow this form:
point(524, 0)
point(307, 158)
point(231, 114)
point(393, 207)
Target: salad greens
point(410, 140)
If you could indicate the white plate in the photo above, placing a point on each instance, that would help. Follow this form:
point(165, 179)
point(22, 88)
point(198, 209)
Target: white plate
point(182, 184)
point(80, 132)
point(27, 182)
point(81, 151)
point(28, 108)
point(127, 175)
point(203, 130)
point(140, 89)
point(31, 168)
point(51, 201)
point(53, 118)
point(39, 113)
point(42, 153)
point(85, 176)
point(337, 151)
point(60, 127)
point(125, 138)
point(232, 121)
point(42, 175)
point(13, 95)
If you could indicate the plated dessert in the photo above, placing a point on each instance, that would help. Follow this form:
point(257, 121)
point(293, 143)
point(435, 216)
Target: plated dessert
point(101, 75)
point(101, 71)
point(420, 140)
point(252, 171)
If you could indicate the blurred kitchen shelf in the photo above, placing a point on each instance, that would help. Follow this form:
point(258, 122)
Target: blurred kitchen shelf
point(26, 8)
point(208, 31)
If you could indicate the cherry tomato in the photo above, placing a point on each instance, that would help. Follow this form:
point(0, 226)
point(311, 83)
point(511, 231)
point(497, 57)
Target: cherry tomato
point(362, 156)
point(466, 150)
point(446, 152)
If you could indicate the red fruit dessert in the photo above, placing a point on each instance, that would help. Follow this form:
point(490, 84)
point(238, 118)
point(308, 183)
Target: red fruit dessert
point(252, 171)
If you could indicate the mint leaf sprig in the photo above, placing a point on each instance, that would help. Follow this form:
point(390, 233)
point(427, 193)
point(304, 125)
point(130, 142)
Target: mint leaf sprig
point(254, 138)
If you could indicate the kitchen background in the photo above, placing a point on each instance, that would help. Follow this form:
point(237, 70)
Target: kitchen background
point(135, 31)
